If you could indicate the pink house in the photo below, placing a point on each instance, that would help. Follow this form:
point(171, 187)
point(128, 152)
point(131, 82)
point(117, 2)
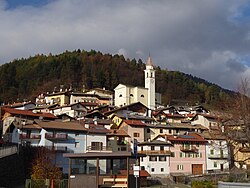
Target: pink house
point(188, 154)
point(134, 128)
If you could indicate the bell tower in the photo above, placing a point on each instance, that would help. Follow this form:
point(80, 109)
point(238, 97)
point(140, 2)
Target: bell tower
point(150, 83)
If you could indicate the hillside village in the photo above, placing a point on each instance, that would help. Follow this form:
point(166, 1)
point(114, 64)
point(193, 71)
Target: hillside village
point(100, 137)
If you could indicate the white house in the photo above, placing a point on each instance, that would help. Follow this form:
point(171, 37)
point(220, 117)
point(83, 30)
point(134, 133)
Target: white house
point(157, 159)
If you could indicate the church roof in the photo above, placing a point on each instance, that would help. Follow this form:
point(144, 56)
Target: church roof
point(149, 61)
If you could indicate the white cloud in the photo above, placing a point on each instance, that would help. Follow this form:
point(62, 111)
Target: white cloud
point(200, 37)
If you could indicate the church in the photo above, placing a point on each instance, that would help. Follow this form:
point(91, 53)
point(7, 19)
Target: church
point(125, 94)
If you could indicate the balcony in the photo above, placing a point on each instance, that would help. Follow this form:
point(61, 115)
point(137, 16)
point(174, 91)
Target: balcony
point(218, 156)
point(187, 149)
point(59, 149)
point(30, 136)
point(57, 136)
point(155, 152)
point(99, 149)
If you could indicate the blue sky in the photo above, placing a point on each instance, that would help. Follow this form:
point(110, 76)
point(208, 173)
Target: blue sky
point(209, 39)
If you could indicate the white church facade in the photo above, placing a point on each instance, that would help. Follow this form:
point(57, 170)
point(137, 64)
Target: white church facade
point(125, 94)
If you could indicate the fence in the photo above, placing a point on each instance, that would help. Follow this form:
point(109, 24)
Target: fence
point(46, 183)
point(232, 185)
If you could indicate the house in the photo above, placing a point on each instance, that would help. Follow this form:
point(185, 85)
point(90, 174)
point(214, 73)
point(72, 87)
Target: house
point(206, 120)
point(102, 169)
point(237, 132)
point(118, 140)
point(153, 130)
point(76, 110)
point(61, 98)
point(135, 129)
point(11, 115)
point(188, 154)
point(157, 156)
point(217, 152)
point(132, 111)
point(105, 96)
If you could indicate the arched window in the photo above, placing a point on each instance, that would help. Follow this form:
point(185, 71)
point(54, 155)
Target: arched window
point(151, 74)
point(142, 96)
point(120, 95)
point(131, 95)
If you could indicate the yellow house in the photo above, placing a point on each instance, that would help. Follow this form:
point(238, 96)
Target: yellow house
point(61, 98)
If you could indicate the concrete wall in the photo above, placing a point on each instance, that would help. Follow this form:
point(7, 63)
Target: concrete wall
point(232, 185)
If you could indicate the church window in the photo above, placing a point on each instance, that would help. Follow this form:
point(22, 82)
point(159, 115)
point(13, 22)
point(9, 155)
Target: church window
point(142, 96)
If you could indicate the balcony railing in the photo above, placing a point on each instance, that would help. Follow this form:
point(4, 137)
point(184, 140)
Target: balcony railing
point(60, 149)
point(218, 156)
point(99, 148)
point(188, 149)
point(155, 152)
point(29, 137)
point(57, 136)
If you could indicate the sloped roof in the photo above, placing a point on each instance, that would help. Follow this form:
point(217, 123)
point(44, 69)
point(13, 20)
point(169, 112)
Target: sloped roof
point(134, 107)
point(29, 113)
point(154, 142)
point(70, 126)
point(134, 123)
point(190, 137)
point(118, 132)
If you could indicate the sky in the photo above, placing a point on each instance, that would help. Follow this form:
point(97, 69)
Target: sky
point(209, 39)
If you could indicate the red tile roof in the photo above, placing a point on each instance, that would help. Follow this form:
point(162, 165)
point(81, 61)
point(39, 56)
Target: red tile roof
point(134, 123)
point(190, 137)
point(29, 113)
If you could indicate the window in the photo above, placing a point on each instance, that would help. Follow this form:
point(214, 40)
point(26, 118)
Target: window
point(152, 148)
point(215, 164)
point(142, 96)
point(131, 95)
point(211, 152)
point(161, 148)
point(120, 95)
point(172, 154)
point(141, 159)
point(200, 155)
point(77, 144)
point(136, 135)
point(96, 145)
point(152, 169)
point(161, 130)
point(162, 169)
point(162, 158)
point(152, 158)
point(179, 167)
point(181, 155)
point(170, 131)
point(142, 167)
point(148, 130)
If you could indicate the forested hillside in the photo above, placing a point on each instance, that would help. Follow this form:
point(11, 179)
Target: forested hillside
point(26, 78)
